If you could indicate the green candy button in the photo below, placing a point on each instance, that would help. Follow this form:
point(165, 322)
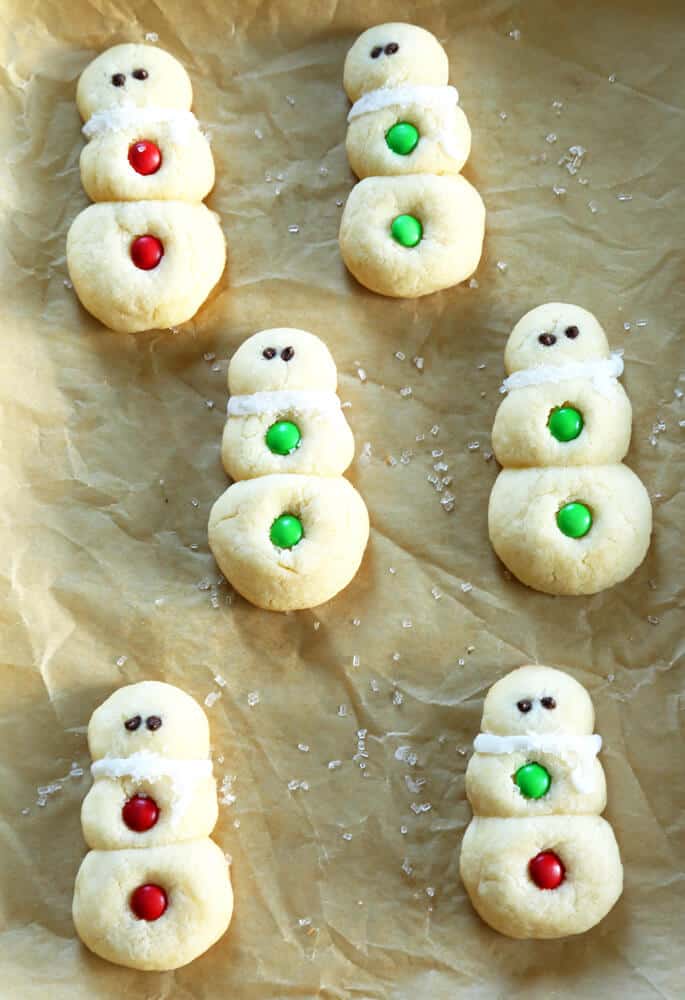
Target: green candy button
point(402, 138)
point(283, 437)
point(406, 230)
point(574, 519)
point(286, 531)
point(533, 781)
point(565, 423)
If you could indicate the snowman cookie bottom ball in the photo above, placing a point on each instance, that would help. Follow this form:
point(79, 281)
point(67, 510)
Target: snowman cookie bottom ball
point(154, 909)
point(147, 264)
point(287, 542)
point(571, 531)
point(410, 236)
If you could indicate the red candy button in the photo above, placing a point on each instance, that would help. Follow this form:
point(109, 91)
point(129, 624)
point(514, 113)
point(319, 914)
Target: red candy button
point(149, 902)
point(140, 813)
point(546, 870)
point(146, 252)
point(145, 157)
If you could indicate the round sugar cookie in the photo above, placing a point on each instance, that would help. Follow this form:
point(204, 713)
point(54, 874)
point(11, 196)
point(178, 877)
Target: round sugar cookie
point(570, 422)
point(495, 868)
point(133, 75)
point(443, 140)
point(280, 359)
point(160, 282)
point(136, 157)
point(389, 55)
point(519, 703)
point(195, 883)
point(525, 514)
point(557, 334)
point(328, 516)
point(451, 220)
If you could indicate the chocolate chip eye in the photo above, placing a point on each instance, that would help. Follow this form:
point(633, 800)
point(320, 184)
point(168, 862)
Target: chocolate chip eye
point(288, 353)
point(391, 48)
point(548, 702)
point(376, 51)
point(118, 79)
point(571, 332)
point(547, 339)
point(140, 74)
point(153, 722)
point(524, 705)
point(132, 723)
point(269, 353)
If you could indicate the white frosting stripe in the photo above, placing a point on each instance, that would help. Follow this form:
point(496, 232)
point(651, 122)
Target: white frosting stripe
point(441, 100)
point(577, 751)
point(182, 123)
point(282, 402)
point(602, 374)
point(150, 767)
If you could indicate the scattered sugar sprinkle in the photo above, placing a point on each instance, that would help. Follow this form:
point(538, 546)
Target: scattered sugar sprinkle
point(405, 391)
point(407, 623)
point(152, 36)
point(612, 78)
point(420, 807)
point(551, 138)
point(473, 283)
point(391, 570)
point(290, 100)
point(356, 622)
point(407, 867)
point(557, 106)
point(220, 681)
point(67, 283)
point(418, 363)
point(121, 660)
point(226, 794)
point(333, 765)
point(303, 747)
point(347, 836)
point(362, 374)
point(212, 698)
point(593, 206)
point(400, 355)
point(304, 922)
point(404, 831)
point(623, 196)
point(473, 445)
point(397, 697)
point(355, 660)
point(293, 228)
point(437, 594)
point(572, 160)
point(653, 620)
point(558, 190)
point(323, 170)
point(514, 34)
point(209, 356)
point(253, 698)
point(342, 711)
point(467, 587)
point(503, 115)
point(374, 686)
point(258, 134)
point(295, 785)
point(502, 266)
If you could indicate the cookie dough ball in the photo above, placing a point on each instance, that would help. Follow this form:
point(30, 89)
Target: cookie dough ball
point(140, 76)
point(150, 716)
point(321, 439)
point(410, 236)
point(442, 140)
point(495, 868)
point(536, 699)
point(114, 817)
point(555, 334)
point(538, 522)
point(389, 55)
point(279, 359)
point(190, 884)
point(147, 264)
point(116, 164)
point(562, 423)
point(254, 530)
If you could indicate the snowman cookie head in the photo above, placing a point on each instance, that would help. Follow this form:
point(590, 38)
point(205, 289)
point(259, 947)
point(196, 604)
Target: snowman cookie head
point(537, 700)
point(282, 359)
point(555, 334)
point(394, 55)
point(152, 717)
point(135, 76)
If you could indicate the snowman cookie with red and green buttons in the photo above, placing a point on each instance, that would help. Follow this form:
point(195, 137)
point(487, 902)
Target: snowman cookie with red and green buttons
point(148, 252)
point(565, 515)
point(537, 859)
point(291, 531)
point(154, 892)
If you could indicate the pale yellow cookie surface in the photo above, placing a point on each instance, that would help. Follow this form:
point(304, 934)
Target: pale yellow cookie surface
point(389, 55)
point(133, 75)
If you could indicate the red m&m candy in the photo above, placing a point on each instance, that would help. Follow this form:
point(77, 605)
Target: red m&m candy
point(146, 252)
point(144, 157)
point(149, 902)
point(140, 813)
point(546, 870)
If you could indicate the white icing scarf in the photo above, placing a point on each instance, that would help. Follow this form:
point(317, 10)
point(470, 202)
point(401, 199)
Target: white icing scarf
point(146, 766)
point(440, 99)
point(578, 750)
point(603, 374)
point(181, 123)
point(299, 401)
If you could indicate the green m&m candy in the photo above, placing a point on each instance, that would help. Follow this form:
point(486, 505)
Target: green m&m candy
point(283, 437)
point(286, 531)
point(402, 138)
point(574, 519)
point(406, 230)
point(565, 423)
point(533, 781)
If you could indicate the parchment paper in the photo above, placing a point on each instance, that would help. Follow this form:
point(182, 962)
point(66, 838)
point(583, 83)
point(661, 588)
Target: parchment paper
point(346, 875)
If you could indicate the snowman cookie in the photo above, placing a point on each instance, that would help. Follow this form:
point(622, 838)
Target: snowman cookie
point(291, 532)
point(413, 225)
point(537, 859)
point(154, 892)
point(565, 516)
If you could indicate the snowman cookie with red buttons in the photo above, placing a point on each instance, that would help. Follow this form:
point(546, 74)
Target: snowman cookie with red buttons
point(537, 859)
point(148, 253)
point(154, 892)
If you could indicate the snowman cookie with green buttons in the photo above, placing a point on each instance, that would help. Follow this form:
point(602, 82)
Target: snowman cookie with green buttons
point(413, 225)
point(148, 253)
point(290, 532)
point(537, 859)
point(565, 515)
